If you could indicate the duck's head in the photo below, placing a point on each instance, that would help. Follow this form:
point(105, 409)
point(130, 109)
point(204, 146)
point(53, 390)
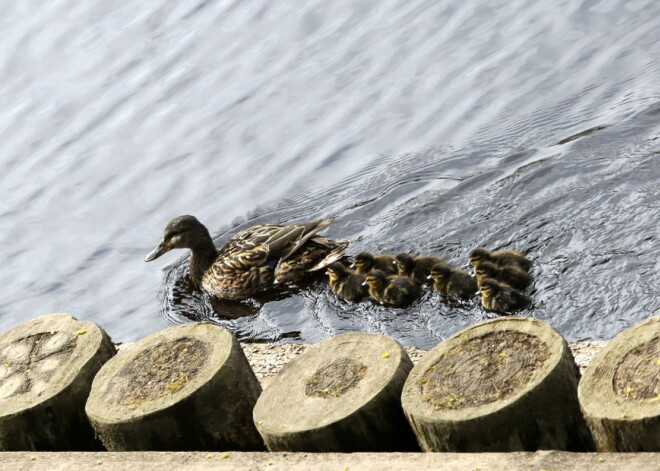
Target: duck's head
point(404, 264)
point(478, 256)
point(183, 232)
point(485, 270)
point(440, 271)
point(363, 261)
point(489, 288)
point(376, 279)
point(336, 271)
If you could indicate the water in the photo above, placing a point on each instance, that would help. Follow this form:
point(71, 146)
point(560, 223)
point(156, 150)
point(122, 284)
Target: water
point(429, 127)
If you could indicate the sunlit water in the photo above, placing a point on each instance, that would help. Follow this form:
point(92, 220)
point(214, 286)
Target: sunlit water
point(420, 126)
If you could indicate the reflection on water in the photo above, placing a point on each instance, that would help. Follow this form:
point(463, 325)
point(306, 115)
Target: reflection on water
point(420, 126)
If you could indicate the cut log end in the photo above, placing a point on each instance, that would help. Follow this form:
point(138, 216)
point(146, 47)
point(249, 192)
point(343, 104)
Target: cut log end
point(508, 384)
point(184, 388)
point(341, 395)
point(47, 366)
point(620, 391)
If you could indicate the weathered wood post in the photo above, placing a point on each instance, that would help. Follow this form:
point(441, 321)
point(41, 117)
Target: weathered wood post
point(47, 366)
point(188, 387)
point(507, 384)
point(620, 391)
point(341, 395)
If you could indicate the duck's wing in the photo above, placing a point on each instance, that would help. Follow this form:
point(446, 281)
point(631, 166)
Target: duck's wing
point(248, 239)
point(288, 239)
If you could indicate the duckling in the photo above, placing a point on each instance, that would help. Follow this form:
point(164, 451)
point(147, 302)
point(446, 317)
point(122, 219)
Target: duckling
point(501, 298)
point(512, 275)
point(345, 283)
point(253, 259)
point(500, 258)
point(418, 268)
point(454, 283)
point(365, 262)
point(396, 291)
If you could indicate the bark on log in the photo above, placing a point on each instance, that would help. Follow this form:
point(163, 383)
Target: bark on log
point(188, 387)
point(47, 366)
point(508, 384)
point(341, 395)
point(620, 391)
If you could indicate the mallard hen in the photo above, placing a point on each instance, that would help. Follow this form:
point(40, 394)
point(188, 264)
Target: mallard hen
point(253, 259)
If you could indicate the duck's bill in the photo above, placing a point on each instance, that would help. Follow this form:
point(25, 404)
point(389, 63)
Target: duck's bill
point(157, 252)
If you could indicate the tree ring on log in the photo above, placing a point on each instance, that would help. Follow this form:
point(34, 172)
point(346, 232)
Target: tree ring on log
point(161, 370)
point(638, 375)
point(335, 379)
point(484, 369)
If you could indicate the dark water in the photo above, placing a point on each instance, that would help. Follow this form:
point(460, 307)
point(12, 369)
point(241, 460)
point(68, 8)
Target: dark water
point(430, 127)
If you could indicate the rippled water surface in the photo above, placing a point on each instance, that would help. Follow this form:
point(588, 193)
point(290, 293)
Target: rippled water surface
point(421, 126)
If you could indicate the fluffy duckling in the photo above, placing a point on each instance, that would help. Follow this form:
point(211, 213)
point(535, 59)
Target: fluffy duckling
point(454, 283)
point(501, 298)
point(512, 275)
point(345, 283)
point(396, 291)
point(418, 268)
point(365, 262)
point(500, 258)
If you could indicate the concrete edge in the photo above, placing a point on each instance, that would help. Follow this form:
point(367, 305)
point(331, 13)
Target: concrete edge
point(238, 461)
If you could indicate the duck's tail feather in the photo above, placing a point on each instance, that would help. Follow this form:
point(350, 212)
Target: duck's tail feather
point(335, 254)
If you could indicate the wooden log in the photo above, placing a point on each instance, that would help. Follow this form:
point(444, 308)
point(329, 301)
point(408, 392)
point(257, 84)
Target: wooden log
point(47, 366)
point(341, 395)
point(620, 391)
point(188, 387)
point(507, 384)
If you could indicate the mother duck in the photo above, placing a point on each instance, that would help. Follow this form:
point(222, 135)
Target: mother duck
point(252, 260)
